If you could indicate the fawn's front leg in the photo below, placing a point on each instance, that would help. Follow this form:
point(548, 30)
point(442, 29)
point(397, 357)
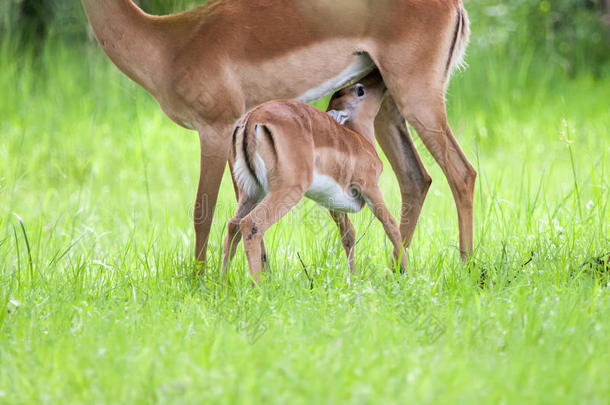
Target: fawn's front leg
point(374, 198)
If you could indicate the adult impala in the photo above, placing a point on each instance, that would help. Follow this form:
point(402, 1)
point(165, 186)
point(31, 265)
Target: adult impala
point(284, 150)
point(208, 66)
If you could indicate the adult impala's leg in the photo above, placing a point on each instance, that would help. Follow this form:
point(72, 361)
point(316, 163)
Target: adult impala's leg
point(421, 99)
point(416, 70)
point(437, 136)
point(376, 203)
point(214, 155)
point(414, 181)
point(348, 236)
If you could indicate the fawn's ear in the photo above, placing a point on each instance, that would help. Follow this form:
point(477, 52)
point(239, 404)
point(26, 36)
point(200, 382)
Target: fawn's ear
point(340, 116)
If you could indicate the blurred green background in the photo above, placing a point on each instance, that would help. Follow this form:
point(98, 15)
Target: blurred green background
point(97, 299)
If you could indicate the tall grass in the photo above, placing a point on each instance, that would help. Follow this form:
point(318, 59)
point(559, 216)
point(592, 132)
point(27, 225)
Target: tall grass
point(98, 302)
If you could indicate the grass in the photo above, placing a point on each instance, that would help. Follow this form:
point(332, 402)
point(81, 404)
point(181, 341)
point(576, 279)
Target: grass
point(98, 303)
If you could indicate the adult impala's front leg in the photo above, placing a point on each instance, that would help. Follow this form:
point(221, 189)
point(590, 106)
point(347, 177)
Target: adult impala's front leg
point(215, 142)
point(414, 181)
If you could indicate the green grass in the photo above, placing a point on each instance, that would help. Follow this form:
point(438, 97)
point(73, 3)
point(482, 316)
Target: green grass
point(98, 303)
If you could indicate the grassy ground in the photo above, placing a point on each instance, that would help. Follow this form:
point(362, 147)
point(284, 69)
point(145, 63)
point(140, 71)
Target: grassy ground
point(97, 302)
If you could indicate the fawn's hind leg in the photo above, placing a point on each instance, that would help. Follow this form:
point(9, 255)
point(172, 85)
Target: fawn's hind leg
point(348, 236)
point(233, 237)
point(374, 198)
point(254, 225)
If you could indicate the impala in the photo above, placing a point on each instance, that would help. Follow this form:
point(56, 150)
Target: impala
point(285, 150)
point(208, 66)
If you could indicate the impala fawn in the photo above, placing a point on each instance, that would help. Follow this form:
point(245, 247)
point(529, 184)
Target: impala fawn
point(286, 150)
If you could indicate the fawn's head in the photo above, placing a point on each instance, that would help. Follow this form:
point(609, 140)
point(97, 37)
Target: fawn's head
point(356, 106)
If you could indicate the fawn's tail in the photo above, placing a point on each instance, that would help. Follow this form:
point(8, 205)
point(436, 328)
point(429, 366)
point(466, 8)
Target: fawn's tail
point(250, 171)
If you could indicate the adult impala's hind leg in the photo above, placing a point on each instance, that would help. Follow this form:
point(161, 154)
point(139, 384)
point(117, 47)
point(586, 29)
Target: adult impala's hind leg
point(417, 78)
point(414, 181)
point(422, 102)
point(254, 225)
point(348, 236)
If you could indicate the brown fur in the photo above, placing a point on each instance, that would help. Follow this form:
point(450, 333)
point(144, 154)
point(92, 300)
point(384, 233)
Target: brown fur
point(208, 66)
point(295, 140)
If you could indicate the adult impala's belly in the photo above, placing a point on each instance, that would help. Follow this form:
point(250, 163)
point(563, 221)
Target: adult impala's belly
point(361, 65)
point(307, 74)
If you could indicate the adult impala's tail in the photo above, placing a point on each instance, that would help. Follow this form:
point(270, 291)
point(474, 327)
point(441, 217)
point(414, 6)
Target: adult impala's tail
point(460, 41)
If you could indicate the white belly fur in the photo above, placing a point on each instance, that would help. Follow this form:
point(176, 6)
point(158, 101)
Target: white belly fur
point(363, 65)
point(325, 191)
